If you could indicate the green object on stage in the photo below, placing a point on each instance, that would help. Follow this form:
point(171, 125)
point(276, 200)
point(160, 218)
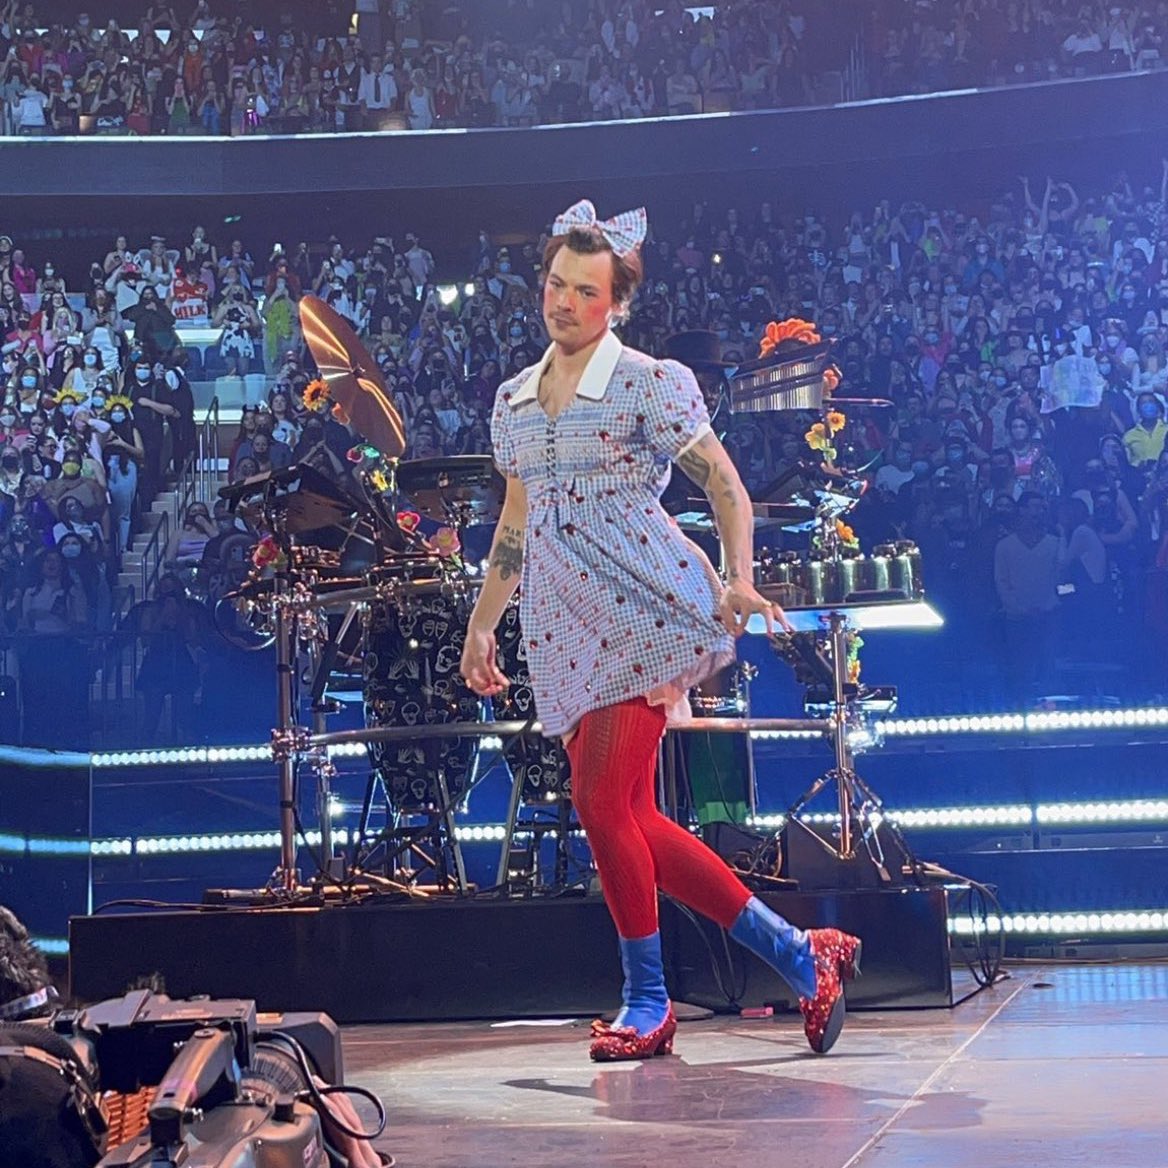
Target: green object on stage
point(719, 777)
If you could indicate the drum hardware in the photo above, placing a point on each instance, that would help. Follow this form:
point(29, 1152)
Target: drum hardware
point(464, 490)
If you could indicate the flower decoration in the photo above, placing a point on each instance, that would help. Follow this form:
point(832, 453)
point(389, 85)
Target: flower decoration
point(846, 535)
point(267, 554)
point(408, 520)
point(802, 332)
point(378, 481)
point(446, 543)
point(817, 437)
point(316, 395)
point(831, 379)
point(119, 400)
point(836, 421)
point(341, 414)
point(855, 644)
point(69, 395)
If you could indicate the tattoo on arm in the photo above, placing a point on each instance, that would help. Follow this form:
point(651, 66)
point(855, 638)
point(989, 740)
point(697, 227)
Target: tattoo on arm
point(507, 556)
point(694, 463)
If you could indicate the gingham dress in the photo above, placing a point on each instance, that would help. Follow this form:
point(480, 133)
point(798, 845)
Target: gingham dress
point(615, 602)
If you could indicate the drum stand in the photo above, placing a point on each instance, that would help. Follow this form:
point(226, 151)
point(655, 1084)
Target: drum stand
point(861, 813)
point(433, 842)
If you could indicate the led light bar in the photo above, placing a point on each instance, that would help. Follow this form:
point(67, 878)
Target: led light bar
point(1085, 924)
point(1039, 722)
point(183, 755)
point(1116, 812)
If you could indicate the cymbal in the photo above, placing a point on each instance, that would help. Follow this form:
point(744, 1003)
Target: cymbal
point(463, 489)
point(352, 376)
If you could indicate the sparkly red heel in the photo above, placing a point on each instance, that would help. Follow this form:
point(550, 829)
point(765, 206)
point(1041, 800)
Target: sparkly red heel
point(837, 959)
point(612, 1044)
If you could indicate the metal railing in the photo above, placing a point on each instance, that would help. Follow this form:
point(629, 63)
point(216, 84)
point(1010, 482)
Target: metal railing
point(198, 477)
point(207, 464)
point(154, 556)
point(854, 79)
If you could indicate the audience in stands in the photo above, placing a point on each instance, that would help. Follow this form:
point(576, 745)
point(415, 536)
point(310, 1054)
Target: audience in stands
point(1022, 344)
point(498, 62)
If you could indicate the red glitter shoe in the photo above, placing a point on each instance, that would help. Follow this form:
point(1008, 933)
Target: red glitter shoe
point(611, 1044)
point(837, 959)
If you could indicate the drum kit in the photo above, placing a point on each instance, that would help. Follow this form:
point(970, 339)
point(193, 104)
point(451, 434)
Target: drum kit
point(349, 580)
point(352, 582)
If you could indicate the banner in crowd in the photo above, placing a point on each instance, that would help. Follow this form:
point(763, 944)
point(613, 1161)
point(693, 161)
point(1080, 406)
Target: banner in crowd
point(1073, 381)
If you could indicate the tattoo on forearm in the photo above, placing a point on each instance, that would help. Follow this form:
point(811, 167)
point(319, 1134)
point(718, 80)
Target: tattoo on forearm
point(695, 465)
point(507, 555)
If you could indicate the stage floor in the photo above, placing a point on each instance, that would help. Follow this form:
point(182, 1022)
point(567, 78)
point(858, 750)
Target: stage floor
point(1057, 1065)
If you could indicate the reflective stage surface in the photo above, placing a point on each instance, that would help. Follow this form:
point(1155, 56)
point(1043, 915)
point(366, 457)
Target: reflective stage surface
point(1061, 1064)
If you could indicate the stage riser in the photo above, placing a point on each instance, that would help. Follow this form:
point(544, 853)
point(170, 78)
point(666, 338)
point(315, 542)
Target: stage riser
point(485, 959)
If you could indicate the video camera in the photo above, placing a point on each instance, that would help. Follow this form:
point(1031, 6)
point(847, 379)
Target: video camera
point(231, 1088)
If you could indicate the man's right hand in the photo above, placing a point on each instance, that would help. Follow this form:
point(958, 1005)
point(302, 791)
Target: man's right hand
point(479, 667)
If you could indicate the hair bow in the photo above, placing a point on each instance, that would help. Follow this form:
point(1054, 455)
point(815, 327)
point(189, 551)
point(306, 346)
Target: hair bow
point(624, 233)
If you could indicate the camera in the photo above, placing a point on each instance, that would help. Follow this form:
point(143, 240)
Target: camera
point(231, 1089)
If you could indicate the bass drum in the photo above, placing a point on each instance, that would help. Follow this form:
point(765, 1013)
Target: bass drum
point(412, 650)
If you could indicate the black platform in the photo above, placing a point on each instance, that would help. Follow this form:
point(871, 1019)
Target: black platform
point(460, 959)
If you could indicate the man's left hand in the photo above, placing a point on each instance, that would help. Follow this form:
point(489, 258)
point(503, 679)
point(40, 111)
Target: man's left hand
point(740, 601)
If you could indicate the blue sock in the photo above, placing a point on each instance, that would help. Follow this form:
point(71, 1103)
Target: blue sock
point(783, 947)
point(646, 1001)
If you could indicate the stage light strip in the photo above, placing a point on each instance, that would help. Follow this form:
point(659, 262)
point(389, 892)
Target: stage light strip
point(1034, 723)
point(1068, 924)
point(1116, 812)
point(1038, 722)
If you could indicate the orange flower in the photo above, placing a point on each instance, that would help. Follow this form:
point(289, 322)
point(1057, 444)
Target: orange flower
point(846, 534)
point(341, 414)
point(831, 379)
point(793, 329)
point(316, 395)
point(836, 421)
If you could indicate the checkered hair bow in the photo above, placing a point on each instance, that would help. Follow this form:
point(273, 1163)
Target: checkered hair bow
point(624, 233)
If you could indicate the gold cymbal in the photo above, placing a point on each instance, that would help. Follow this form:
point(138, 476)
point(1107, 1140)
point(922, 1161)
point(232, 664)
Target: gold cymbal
point(352, 376)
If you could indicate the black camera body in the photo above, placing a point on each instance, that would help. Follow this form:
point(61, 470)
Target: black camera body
point(231, 1086)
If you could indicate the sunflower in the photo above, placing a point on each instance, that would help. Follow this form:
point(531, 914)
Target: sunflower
point(836, 421)
point(378, 481)
point(316, 395)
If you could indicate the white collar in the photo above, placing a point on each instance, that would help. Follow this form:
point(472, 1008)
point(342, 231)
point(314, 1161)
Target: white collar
point(593, 381)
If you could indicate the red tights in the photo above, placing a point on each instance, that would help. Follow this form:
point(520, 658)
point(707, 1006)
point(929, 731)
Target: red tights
point(637, 849)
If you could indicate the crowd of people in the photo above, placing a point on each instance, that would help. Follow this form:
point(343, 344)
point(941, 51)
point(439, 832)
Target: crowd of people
point(187, 68)
point(1021, 344)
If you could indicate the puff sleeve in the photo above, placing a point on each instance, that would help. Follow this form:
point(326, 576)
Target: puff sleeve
point(675, 411)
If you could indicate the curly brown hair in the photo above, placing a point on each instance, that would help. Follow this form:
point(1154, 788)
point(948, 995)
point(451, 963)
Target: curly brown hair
point(627, 271)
